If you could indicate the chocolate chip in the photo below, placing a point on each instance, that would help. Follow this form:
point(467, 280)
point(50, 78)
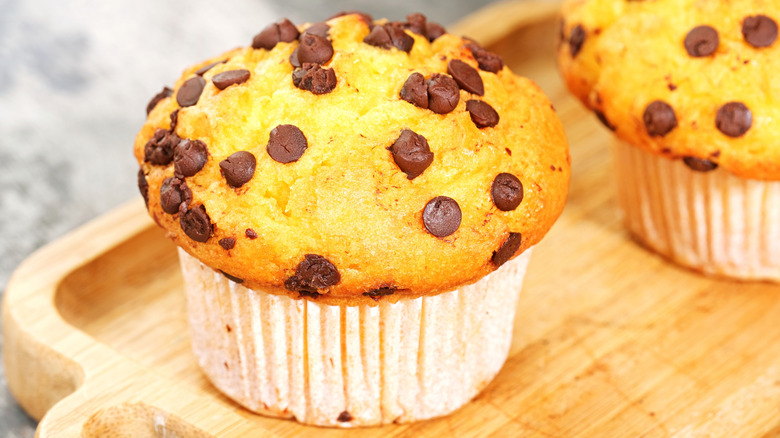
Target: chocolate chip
point(488, 61)
point(281, 31)
point(700, 164)
point(286, 144)
point(201, 71)
point(443, 93)
point(576, 40)
point(230, 77)
point(415, 90)
point(173, 193)
point(702, 41)
point(189, 157)
point(314, 272)
point(321, 29)
point(441, 216)
point(416, 23)
point(196, 224)
point(365, 17)
point(159, 149)
point(466, 76)
point(250, 234)
point(314, 78)
point(231, 277)
point(166, 92)
point(228, 243)
point(315, 49)
point(238, 168)
point(388, 36)
point(659, 118)
point(759, 30)
point(507, 192)
point(143, 186)
point(507, 250)
point(189, 93)
point(174, 119)
point(482, 114)
point(344, 417)
point(411, 153)
point(734, 119)
point(380, 292)
point(434, 31)
point(603, 119)
point(294, 58)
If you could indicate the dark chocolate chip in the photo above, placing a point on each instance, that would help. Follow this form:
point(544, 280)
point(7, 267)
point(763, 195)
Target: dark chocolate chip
point(379, 37)
point(482, 114)
point(380, 292)
point(443, 93)
point(238, 168)
point(416, 23)
point(315, 49)
point(314, 78)
point(228, 243)
point(189, 157)
point(173, 193)
point(143, 186)
point(365, 17)
point(281, 31)
point(321, 29)
point(659, 118)
point(466, 76)
point(388, 36)
point(294, 58)
point(576, 40)
point(232, 278)
point(411, 153)
point(441, 216)
point(507, 249)
point(196, 224)
point(174, 119)
point(201, 71)
point(250, 234)
point(434, 30)
point(415, 90)
point(507, 192)
point(759, 30)
point(159, 149)
point(166, 92)
point(603, 119)
point(314, 272)
point(286, 143)
point(700, 164)
point(190, 91)
point(488, 61)
point(702, 41)
point(734, 119)
point(344, 417)
point(230, 77)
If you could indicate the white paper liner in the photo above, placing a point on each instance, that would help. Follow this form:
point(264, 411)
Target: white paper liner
point(415, 359)
point(712, 221)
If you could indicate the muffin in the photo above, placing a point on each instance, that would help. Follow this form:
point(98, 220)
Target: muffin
point(355, 203)
point(689, 89)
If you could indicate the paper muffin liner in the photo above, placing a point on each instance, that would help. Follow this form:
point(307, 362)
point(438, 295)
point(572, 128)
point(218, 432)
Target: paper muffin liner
point(350, 366)
point(712, 221)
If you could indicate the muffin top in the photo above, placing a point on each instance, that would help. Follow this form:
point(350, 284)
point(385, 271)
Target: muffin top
point(685, 79)
point(353, 160)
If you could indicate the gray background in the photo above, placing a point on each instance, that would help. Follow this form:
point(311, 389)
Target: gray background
point(75, 78)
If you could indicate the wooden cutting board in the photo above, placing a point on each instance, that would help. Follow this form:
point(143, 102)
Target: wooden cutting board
point(610, 340)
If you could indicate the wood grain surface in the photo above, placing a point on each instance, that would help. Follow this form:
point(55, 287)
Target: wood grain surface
point(610, 340)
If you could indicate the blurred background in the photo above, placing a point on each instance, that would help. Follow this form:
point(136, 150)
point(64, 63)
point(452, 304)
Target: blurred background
point(75, 78)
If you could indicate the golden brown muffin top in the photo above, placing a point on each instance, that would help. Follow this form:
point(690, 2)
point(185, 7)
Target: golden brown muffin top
point(685, 79)
point(353, 159)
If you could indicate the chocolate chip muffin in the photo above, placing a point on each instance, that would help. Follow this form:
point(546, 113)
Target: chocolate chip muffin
point(689, 90)
point(355, 202)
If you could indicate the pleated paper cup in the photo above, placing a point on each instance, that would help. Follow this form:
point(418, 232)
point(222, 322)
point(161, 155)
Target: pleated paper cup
point(349, 366)
point(712, 222)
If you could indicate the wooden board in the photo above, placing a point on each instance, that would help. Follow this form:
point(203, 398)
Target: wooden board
point(610, 340)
